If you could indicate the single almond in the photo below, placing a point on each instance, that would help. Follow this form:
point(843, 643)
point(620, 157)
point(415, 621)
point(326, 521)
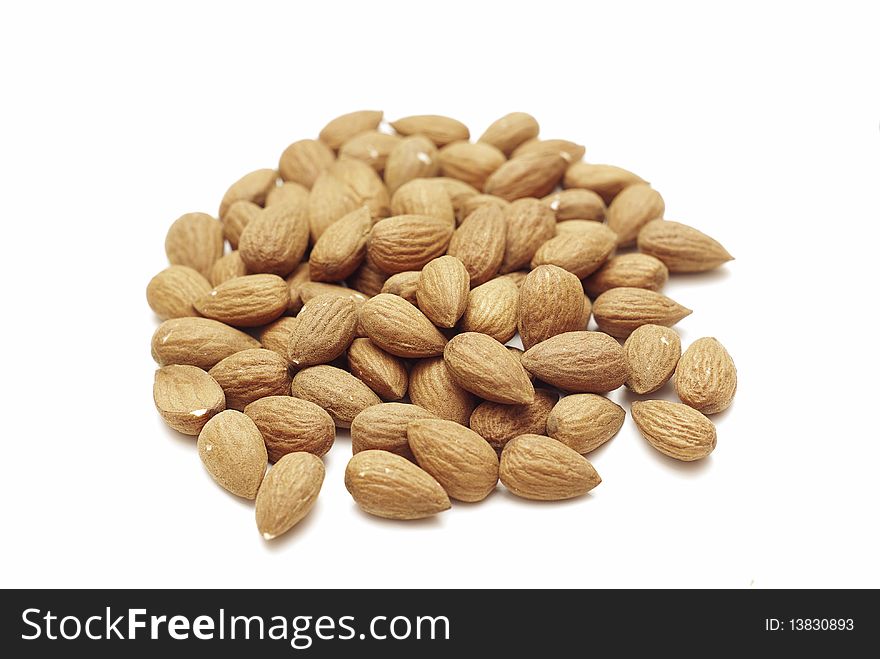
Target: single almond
point(459, 192)
point(579, 362)
point(627, 270)
point(498, 423)
point(288, 493)
point(576, 204)
point(197, 342)
point(605, 180)
point(437, 128)
point(510, 131)
point(383, 427)
point(442, 291)
point(254, 187)
point(344, 127)
point(432, 387)
point(492, 309)
point(470, 162)
point(408, 242)
point(405, 284)
point(541, 468)
point(276, 335)
point(381, 371)
point(705, 377)
point(186, 397)
point(423, 196)
point(531, 175)
point(229, 266)
point(365, 183)
point(398, 327)
point(619, 311)
point(674, 429)
point(248, 301)
point(342, 247)
point(196, 241)
point(303, 161)
point(291, 424)
point(330, 199)
point(414, 157)
point(518, 353)
point(325, 327)
point(517, 277)
point(232, 450)
point(237, 218)
point(458, 458)
point(251, 374)
point(295, 281)
point(171, 293)
point(286, 193)
point(479, 243)
point(486, 368)
point(680, 247)
point(386, 485)
point(335, 390)
point(368, 279)
point(571, 151)
point(581, 254)
point(584, 422)
point(632, 209)
point(529, 225)
point(312, 289)
point(371, 147)
point(652, 353)
point(475, 202)
point(274, 242)
point(551, 301)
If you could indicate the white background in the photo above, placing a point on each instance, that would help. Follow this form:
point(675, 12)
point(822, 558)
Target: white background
point(758, 123)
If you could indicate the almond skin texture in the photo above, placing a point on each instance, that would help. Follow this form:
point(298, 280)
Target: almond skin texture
point(229, 266)
point(423, 196)
point(605, 180)
point(652, 353)
point(477, 201)
point(198, 342)
point(414, 157)
point(581, 253)
point(251, 374)
point(248, 301)
point(459, 192)
point(531, 175)
point(276, 335)
point(232, 450)
point(437, 128)
point(405, 284)
point(510, 131)
point(295, 281)
point(303, 161)
point(346, 126)
point(432, 387)
point(619, 311)
point(681, 248)
point(492, 309)
point(326, 327)
point(705, 377)
point(483, 366)
point(286, 193)
point(187, 397)
point(579, 362)
point(274, 242)
point(383, 427)
point(458, 458)
point(330, 199)
point(571, 151)
point(291, 424)
point(498, 424)
point(386, 485)
point(676, 430)
point(632, 209)
point(196, 241)
point(368, 188)
point(541, 468)
point(253, 187)
point(398, 327)
point(470, 162)
point(342, 247)
point(370, 147)
point(381, 371)
point(368, 279)
point(288, 493)
point(237, 218)
point(551, 301)
point(408, 242)
point(627, 270)
point(312, 289)
point(584, 422)
point(529, 225)
point(479, 243)
point(172, 292)
point(576, 204)
point(335, 390)
point(442, 291)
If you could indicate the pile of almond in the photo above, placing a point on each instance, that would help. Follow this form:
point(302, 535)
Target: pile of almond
point(372, 281)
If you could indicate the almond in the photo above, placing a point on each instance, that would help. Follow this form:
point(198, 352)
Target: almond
point(368, 279)
point(368, 188)
point(510, 131)
point(458, 191)
point(295, 281)
point(197, 342)
point(632, 209)
point(237, 218)
point(462, 462)
point(229, 266)
point(342, 247)
point(335, 390)
point(619, 311)
point(398, 327)
point(579, 362)
point(581, 253)
point(518, 353)
point(681, 248)
point(541, 468)
point(303, 161)
point(274, 242)
point(439, 129)
point(423, 196)
point(483, 366)
point(551, 301)
point(276, 335)
point(472, 203)
point(584, 422)
point(330, 199)
point(389, 486)
point(676, 430)
point(312, 289)
point(291, 424)
point(253, 187)
point(575, 227)
point(492, 309)
point(408, 242)
point(288, 493)
point(371, 147)
point(442, 291)
point(576, 204)
point(531, 175)
point(432, 387)
point(186, 397)
point(286, 193)
point(172, 292)
point(471, 163)
point(587, 312)
point(705, 377)
point(605, 180)
point(405, 284)
point(344, 127)
point(517, 277)
point(251, 374)
point(529, 225)
point(627, 270)
point(383, 427)
point(479, 243)
point(414, 157)
point(571, 151)
point(195, 240)
point(325, 328)
point(382, 372)
point(247, 301)
point(498, 423)
point(651, 353)
point(232, 450)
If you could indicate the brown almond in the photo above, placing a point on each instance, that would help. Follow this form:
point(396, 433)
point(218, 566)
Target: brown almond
point(680, 247)
point(408, 242)
point(518, 353)
point(531, 175)
point(229, 266)
point(581, 253)
point(248, 301)
point(414, 157)
point(197, 342)
point(237, 218)
point(171, 293)
point(383, 427)
point(368, 188)
point(442, 291)
point(371, 147)
point(486, 368)
point(405, 284)
point(576, 204)
point(586, 313)
point(276, 335)
point(196, 241)
point(286, 193)
point(676, 430)
point(470, 162)
point(492, 309)
point(652, 353)
point(423, 196)
point(326, 326)
point(186, 397)
point(342, 247)
point(291, 424)
point(232, 450)
point(386, 485)
point(632, 209)
point(479, 243)
point(251, 374)
point(517, 277)
point(584, 422)
point(379, 370)
point(368, 279)
point(574, 227)
point(529, 225)
point(627, 270)
point(605, 180)
point(510, 131)
point(254, 187)
point(579, 362)
point(498, 423)
point(571, 151)
point(475, 202)
point(705, 377)
point(274, 242)
point(295, 281)
point(335, 390)
point(437, 128)
point(312, 289)
point(288, 493)
point(303, 161)
point(344, 127)
point(432, 387)
point(551, 301)
point(459, 192)
point(541, 468)
point(462, 462)
point(330, 199)
point(619, 311)
point(398, 327)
